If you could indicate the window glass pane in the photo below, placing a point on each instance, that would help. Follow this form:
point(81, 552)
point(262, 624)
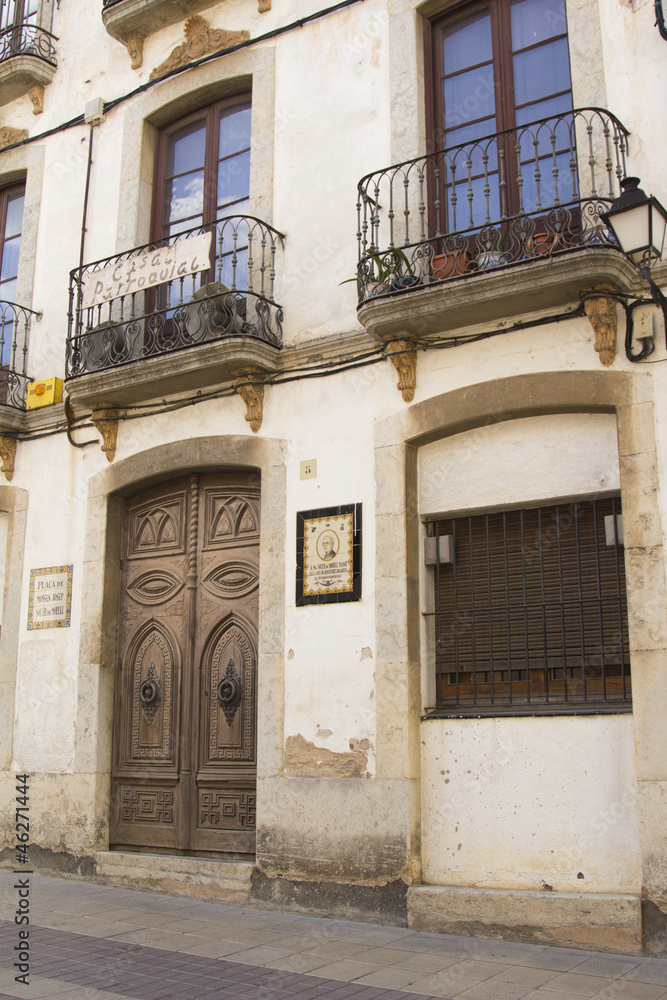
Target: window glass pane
point(540, 72)
point(474, 160)
point(469, 133)
point(14, 214)
point(564, 184)
point(233, 179)
point(469, 96)
point(234, 131)
point(30, 11)
point(184, 197)
point(234, 275)
point(473, 214)
point(8, 290)
point(546, 138)
point(10, 258)
point(183, 227)
point(535, 21)
point(540, 110)
point(186, 149)
point(467, 43)
point(7, 14)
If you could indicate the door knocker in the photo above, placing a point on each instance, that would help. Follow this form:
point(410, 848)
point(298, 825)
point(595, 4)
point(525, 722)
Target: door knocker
point(230, 691)
point(149, 693)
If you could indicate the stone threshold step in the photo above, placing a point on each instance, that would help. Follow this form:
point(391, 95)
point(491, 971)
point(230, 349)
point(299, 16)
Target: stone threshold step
point(200, 878)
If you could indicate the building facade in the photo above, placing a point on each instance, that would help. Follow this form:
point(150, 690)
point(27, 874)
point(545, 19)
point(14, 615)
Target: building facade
point(336, 579)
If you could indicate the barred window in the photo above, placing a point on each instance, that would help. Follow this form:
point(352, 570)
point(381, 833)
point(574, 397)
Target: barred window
point(530, 610)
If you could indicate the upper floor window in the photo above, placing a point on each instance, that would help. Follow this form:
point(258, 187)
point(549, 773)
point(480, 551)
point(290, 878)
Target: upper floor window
point(16, 12)
point(500, 65)
point(204, 174)
point(11, 221)
point(11, 320)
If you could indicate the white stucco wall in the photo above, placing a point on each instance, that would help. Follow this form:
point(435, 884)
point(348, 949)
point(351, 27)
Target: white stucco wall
point(518, 802)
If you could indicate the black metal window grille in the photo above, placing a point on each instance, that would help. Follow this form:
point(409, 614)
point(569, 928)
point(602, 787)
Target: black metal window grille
point(531, 613)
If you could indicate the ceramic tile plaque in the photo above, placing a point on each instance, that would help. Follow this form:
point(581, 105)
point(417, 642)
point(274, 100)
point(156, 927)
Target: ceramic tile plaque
point(328, 555)
point(50, 599)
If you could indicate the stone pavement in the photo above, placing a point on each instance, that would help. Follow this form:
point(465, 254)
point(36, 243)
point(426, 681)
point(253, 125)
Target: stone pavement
point(94, 942)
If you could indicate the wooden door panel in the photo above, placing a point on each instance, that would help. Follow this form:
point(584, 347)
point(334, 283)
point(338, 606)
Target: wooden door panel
point(147, 801)
point(184, 739)
point(226, 651)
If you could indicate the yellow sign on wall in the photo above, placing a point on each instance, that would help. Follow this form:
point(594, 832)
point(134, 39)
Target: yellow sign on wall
point(44, 393)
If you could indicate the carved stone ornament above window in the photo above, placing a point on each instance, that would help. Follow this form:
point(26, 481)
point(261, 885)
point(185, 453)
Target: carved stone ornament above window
point(7, 454)
point(200, 40)
point(10, 135)
point(131, 22)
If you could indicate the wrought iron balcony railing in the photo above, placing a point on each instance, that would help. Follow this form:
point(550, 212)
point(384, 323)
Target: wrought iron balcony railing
point(28, 40)
point(206, 284)
point(527, 193)
point(14, 329)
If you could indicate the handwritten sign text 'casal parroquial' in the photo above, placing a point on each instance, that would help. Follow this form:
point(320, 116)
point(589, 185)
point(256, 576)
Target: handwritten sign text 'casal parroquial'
point(147, 269)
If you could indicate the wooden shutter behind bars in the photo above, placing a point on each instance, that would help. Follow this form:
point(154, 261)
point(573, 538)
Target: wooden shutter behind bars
point(533, 609)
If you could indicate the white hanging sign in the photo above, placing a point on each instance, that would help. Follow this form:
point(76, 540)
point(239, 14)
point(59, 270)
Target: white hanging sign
point(147, 269)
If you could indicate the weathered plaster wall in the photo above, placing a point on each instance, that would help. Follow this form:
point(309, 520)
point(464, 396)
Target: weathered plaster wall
point(524, 803)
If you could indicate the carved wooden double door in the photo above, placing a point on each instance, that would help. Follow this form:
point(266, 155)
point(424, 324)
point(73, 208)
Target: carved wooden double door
point(184, 767)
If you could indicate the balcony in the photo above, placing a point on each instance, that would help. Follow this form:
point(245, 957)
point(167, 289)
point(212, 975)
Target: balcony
point(510, 222)
point(14, 329)
point(124, 19)
point(175, 315)
point(27, 61)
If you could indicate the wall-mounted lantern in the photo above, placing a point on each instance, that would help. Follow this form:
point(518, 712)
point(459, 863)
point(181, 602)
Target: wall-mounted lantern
point(639, 223)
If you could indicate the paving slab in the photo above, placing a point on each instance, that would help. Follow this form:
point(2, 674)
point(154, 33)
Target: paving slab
point(95, 942)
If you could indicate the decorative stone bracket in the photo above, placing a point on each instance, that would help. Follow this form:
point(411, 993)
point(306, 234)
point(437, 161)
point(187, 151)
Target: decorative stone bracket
point(106, 424)
point(36, 95)
point(252, 394)
point(134, 43)
point(601, 311)
point(404, 359)
point(7, 454)
point(200, 40)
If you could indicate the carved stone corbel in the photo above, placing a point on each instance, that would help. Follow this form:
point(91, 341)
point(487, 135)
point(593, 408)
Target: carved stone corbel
point(134, 44)
point(263, 6)
point(36, 95)
point(601, 311)
point(252, 394)
point(7, 454)
point(404, 359)
point(9, 135)
point(106, 424)
point(200, 40)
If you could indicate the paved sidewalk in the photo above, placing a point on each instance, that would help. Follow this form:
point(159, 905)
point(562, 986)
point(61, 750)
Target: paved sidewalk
point(94, 942)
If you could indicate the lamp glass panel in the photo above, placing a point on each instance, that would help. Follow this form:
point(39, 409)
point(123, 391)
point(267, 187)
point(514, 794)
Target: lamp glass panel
point(659, 226)
point(631, 228)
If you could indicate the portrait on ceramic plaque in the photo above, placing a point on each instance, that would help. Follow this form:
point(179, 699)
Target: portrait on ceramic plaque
point(329, 555)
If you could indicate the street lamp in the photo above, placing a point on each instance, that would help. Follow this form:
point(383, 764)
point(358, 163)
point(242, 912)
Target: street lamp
point(639, 224)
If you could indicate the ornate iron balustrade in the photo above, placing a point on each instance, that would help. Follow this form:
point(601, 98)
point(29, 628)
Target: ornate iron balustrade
point(28, 40)
point(121, 310)
point(14, 329)
point(523, 194)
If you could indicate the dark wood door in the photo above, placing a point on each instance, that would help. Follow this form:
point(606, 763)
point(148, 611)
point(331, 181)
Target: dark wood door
point(184, 763)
